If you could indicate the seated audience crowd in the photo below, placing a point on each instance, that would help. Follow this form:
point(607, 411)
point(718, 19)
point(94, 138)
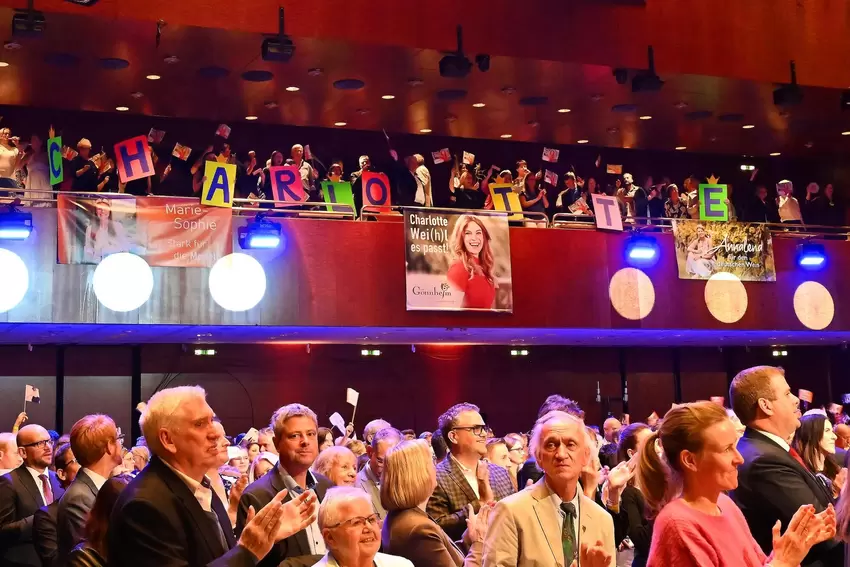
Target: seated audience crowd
point(756, 484)
point(179, 171)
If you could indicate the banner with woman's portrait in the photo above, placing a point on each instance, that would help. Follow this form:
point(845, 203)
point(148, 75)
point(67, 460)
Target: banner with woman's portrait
point(706, 248)
point(165, 231)
point(457, 261)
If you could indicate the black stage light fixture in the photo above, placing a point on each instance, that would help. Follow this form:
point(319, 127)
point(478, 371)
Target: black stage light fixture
point(648, 80)
point(456, 65)
point(790, 94)
point(280, 47)
point(28, 22)
point(483, 62)
point(845, 99)
point(621, 75)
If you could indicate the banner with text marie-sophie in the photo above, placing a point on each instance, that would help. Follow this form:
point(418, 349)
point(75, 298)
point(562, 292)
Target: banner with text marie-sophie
point(457, 261)
point(165, 231)
point(744, 250)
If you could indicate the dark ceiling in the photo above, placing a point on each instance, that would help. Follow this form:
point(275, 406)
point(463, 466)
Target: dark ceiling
point(94, 64)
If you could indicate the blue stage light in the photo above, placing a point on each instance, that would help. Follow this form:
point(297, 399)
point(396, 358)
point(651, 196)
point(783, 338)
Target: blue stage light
point(641, 250)
point(15, 225)
point(260, 233)
point(811, 256)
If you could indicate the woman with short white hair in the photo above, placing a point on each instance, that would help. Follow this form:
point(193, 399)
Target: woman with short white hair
point(338, 464)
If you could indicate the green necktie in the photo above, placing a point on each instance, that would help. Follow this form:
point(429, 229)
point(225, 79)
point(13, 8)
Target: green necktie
point(568, 534)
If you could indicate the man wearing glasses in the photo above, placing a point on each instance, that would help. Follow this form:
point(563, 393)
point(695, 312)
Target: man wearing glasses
point(465, 476)
point(352, 531)
point(22, 492)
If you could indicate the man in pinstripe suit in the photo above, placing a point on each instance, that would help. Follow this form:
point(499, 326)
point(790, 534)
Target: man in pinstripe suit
point(465, 477)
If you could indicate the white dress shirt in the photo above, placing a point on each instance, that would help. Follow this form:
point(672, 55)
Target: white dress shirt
point(562, 516)
point(470, 476)
point(36, 476)
point(776, 439)
point(314, 534)
point(202, 494)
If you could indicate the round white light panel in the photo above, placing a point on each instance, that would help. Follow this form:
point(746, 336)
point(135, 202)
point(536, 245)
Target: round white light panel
point(15, 280)
point(726, 297)
point(632, 293)
point(237, 282)
point(122, 282)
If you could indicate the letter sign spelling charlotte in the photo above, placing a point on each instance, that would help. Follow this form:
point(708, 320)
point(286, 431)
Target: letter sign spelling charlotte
point(338, 192)
point(54, 160)
point(133, 159)
point(376, 190)
point(607, 212)
point(287, 185)
point(504, 199)
point(712, 201)
point(219, 184)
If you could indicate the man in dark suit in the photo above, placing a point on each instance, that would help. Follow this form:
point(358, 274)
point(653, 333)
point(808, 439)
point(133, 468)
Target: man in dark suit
point(465, 476)
point(97, 446)
point(296, 438)
point(44, 530)
point(169, 515)
point(773, 482)
point(22, 492)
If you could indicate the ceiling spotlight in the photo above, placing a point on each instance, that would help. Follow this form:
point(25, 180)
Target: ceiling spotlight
point(680, 148)
point(3, 64)
point(508, 90)
point(270, 104)
point(293, 89)
point(646, 117)
point(122, 108)
point(564, 110)
point(774, 154)
point(415, 82)
point(425, 131)
point(340, 124)
point(843, 134)
point(153, 77)
point(596, 97)
point(582, 141)
point(250, 117)
point(171, 60)
point(137, 94)
point(479, 105)
point(680, 105)
point(12, 45)
point(506, 136)
point(388, 97)
point(315, 71)
point(362, 111)
point(748, 126)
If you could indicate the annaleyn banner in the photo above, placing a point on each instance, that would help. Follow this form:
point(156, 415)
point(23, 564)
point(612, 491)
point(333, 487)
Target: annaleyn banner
point(165, 231)
point(457, 261)
point(706, 248)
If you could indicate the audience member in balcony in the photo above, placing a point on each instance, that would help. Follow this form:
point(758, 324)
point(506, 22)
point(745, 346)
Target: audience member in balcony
point(568, 196)
point(10, 159)
point(465, 190)
point(472, 269)
point(674, 206)
point(335, 171)
point(405, 183)
point(761, 209)
point(533, 197)
point(814, 441)
point(198, 173)
point(789, 207)
point(696, 523)
point(832, 212)
point(83, 169)
point(308, 173)
point(655, 204)
point(409, 480)
point(38, 172)
point(265, 177)
point(339, 464)
point(503, 177)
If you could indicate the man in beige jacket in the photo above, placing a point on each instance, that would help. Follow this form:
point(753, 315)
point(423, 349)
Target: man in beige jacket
point(552, 524)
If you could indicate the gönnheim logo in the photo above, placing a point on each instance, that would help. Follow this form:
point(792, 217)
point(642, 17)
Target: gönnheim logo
point(442, 292)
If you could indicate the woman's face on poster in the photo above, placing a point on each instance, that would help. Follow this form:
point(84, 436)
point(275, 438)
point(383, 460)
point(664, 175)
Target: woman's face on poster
point(473, 239)
point(700, 232)
point(103, 212)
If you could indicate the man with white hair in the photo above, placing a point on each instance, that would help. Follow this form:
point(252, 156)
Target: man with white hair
point(296, 436)
point(169, 515)
point(308, 174)
point(552, 523)
point(352, 531)
point(369, 478)
point(10, 459)
point(372, 428)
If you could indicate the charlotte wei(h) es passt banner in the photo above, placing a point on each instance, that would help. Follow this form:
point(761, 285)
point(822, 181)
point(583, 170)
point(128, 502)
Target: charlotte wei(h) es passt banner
point(165, 231)
point(457, 261)
point(706, 248)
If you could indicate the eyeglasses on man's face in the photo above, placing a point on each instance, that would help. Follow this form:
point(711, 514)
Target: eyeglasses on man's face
point(44, 443)
point(359, 522)
point(478, 430)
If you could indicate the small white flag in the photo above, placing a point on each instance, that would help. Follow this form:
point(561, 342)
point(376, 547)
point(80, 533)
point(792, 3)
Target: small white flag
point(442, 156)
point(155, 136)
point(31, 394)
point(223, 130)
point(468, 158)
point(352, 396)
point(551, 178)
point(551, 155)
point(337, 421)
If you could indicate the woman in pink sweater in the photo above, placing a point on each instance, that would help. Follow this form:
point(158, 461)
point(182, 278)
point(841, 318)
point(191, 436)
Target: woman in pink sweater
point(697, 525)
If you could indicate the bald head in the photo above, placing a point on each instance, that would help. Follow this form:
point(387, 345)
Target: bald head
point(9, 457)
point(842, 431)
point(611, 427)
point(35, 446)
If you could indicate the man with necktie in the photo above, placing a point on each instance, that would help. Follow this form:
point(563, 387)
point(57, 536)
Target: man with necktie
point(23, 491)
point(552, 523)
point(773, 482)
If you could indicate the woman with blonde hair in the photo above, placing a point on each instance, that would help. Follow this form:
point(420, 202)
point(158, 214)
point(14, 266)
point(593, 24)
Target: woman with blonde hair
point(684, 485)
point(407, 482)
point(472, 269)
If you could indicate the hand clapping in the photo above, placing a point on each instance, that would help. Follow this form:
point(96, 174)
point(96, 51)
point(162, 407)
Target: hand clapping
point(805, 530)
point(277, 521)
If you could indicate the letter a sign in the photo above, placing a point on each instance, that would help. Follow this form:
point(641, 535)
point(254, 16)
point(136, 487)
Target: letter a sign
point(219, 184)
